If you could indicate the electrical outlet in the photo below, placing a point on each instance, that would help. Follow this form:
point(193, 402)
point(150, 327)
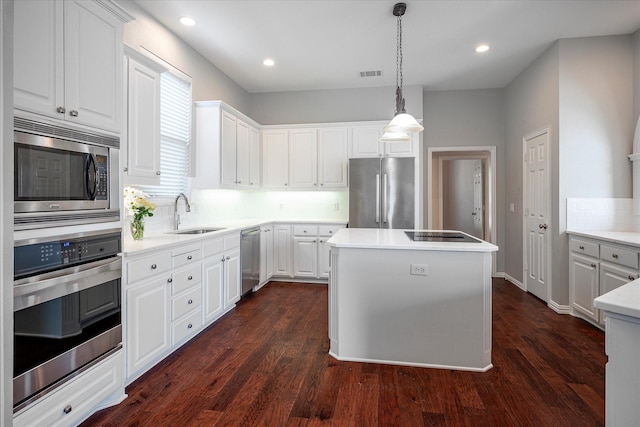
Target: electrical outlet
point(419, 269)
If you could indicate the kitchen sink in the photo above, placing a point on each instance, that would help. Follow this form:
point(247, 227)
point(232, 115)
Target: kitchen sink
point(199, 230)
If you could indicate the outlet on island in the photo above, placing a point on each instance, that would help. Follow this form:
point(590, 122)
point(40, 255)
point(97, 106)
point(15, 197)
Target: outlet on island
point(419, 269)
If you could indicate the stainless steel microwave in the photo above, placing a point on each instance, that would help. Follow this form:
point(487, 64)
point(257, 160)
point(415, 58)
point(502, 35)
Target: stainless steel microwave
point(63, 176)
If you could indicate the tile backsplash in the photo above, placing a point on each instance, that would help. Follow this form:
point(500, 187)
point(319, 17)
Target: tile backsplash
point(601, 215)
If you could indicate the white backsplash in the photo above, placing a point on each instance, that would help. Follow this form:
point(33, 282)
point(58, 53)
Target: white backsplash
point(601, 215)
point(211, 206)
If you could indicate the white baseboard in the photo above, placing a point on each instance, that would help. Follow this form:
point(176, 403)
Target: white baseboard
point(511, 279)
point(558, 308)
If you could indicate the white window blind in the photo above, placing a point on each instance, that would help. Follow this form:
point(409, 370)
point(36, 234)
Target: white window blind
point(175, 135)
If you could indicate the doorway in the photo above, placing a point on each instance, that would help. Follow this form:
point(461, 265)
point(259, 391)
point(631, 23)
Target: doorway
point(461, 188)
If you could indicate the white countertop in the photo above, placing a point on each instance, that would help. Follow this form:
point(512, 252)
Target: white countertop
point(631, 238)
point(623, 300)
point(373, 238)
point(168, 239)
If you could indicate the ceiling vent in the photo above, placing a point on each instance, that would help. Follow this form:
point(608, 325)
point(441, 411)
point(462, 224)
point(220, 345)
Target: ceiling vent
point(373, 73)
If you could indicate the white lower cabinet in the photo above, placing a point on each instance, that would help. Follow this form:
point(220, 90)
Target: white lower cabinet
point(282, 250)
point(231, 278)
point(595, 268)
point(100, 386)
point(305, 256)
point(212, 291)
point(309, 251)
point(221, 270)
point(266, 253)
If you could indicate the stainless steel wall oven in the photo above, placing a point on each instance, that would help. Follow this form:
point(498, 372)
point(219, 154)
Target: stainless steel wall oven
point(63, 176)
point(67, 309)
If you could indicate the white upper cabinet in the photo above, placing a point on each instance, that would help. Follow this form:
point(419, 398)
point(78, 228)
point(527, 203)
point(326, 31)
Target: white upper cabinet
point(333, 157)
point(68, 61)
point(143, 121)
point(303, 159)
point(275, 158)
point(228, 148)
point(366, 143)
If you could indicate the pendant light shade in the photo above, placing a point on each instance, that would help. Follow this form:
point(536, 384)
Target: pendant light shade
point(402, 123)
point(395, 137)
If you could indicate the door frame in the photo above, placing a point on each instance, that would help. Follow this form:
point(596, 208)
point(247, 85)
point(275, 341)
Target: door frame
point(546, 130)
point(467, 152)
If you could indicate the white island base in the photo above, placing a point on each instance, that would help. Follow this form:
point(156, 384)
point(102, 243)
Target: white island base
point(381, 313)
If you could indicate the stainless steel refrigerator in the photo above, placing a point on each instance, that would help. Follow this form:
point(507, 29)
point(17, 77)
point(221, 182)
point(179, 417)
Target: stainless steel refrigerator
point(382, 192)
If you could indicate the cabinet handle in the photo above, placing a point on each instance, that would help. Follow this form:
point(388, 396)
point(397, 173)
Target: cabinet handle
point(190, 302)
point(170, 280)
point(593, 265)
point(61, 110)
point(190, 257)
point(125, 169)
point(67, 409)
point(73, 113)
point(581, 247)
point(153, 266)
point(189, 326)
point(615, 256)
point(190, 278)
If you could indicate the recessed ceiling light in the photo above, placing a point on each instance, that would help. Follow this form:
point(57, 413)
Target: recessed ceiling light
point(187, 21)
point(482, 48)
point(268, 62)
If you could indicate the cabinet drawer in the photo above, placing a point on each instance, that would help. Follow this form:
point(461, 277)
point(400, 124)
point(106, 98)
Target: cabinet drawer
point(584, 247)
point(186, 327)
point(328, 230)
point(213, 247)
point(79, 396)
point(186, 257)
point(232, 241)
point(622, 256)
point(185, 303)
point(185, 279)
point(305, 230)
point(146, 267)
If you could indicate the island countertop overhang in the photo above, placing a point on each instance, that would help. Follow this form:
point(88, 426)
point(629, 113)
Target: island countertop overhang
point(373, 238)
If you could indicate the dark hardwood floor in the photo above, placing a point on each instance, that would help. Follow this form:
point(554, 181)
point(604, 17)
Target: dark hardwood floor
point(267, 363)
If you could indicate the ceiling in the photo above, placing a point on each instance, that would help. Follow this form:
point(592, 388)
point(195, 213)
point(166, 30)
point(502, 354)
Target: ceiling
point(324, 44)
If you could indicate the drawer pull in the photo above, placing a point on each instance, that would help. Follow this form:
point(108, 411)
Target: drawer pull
point(153, 266)
point(615, 256)
point(631, 277)
point(593, 265)
point(189, 326)
point(581, 247)
point(190, 278)
point(189, 257)
point(67, 409)
point(190, 302)
point(170, 280)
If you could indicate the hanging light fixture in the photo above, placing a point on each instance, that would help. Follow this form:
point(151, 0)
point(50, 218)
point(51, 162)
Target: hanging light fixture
point(402, 123)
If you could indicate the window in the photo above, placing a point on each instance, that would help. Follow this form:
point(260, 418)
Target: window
point(175, 134)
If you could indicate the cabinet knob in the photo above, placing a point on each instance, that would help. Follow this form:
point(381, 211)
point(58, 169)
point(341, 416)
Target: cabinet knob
point(190, 278)
point(615, 256)
point(190, 257)
point(285, 184)
point(67, 409)
point(314, 241)
point(314, 184)
point(593, 265)
point(73, 113)
point(170, 280)
point(632, 277)
point(228, 258)
point(321, 241)
point(125, 168)
point(153, 266)
point(321, 184)
point(158, 173)
point(222, 259)
point(581, 247)
point(189, 326)
point(190, 302)
point(61, 110)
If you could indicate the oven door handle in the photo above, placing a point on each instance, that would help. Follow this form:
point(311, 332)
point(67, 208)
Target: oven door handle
point(91, 176)
point(35, 290)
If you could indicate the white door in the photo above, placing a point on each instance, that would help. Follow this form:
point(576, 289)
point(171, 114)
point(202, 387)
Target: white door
point(536, 212)
point(478, 200)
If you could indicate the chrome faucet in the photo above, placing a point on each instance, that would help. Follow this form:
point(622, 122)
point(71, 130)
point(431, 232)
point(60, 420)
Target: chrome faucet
point(176, 216)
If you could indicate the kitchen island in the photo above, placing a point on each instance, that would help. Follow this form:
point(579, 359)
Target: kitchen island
point(423, 302)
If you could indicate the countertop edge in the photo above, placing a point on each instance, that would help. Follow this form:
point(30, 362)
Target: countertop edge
point(630, 238)
point(624, 300)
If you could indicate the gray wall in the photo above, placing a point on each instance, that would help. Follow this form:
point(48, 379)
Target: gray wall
point(209, 83)
point(470, 118)
point(636, 75)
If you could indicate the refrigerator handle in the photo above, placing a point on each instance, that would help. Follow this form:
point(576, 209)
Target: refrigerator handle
point(384, 201)
point(377, 198)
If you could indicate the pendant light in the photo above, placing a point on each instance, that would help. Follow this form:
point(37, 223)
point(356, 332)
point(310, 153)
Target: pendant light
point(403, 123)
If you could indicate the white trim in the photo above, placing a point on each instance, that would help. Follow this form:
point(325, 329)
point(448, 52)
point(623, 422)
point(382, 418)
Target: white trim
point(514, 281)
point(558, 308)
point(491, 235)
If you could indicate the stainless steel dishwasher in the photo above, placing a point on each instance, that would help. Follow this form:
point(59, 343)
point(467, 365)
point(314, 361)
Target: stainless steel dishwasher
point(250, 258)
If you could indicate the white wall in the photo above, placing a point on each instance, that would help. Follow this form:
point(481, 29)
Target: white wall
point(469, 118)
point(6, 213)
point(209, 83)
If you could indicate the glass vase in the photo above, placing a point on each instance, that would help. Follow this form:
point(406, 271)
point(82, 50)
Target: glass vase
point(137, 228)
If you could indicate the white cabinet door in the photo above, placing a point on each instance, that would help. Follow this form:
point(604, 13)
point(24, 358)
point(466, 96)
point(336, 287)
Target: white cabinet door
point(228, 155)
point(324, 255)
point(612, 277)
point(93, 65)
point(333, 157)
point(305, 257)
point(231, 278)
point(148, 333)
point(243, 155)
point(275, 158)
point(213, 288)
point(254, 157)
point(266, 253)
point(365, 141)
point(282, 250)
point(143, 129)
point(584, 277)
point(303, 160)
point(38, 57)
point(269, 257)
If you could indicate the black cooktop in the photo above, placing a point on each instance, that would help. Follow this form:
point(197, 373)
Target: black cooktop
point(440, 236)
